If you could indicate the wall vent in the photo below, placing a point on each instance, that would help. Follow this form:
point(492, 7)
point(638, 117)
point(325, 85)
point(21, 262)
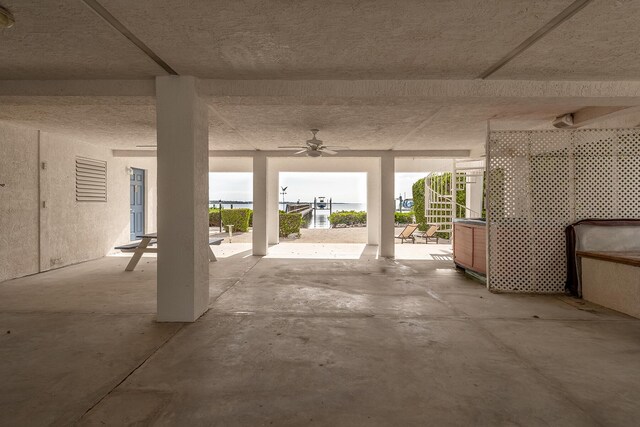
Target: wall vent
point(91, 180)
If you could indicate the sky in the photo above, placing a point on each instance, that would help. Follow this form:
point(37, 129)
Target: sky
point(342, 187)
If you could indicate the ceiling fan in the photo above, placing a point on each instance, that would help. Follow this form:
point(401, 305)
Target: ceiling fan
point(314, 147)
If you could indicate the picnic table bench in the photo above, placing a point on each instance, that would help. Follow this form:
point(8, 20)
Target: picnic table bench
point(151, 239)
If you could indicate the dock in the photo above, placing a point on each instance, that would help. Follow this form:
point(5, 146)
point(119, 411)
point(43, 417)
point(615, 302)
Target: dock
point(305, 209)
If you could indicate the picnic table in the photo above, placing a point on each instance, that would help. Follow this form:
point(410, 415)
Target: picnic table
point(145, 246)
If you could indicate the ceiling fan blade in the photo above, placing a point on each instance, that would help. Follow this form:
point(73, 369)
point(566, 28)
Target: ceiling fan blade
point(300, 152)
point(291, 146)
point(326, 150)
point(339, 147)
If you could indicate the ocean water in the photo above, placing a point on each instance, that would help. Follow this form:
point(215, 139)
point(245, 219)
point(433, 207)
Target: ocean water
point(319, 219)
point(337, 207)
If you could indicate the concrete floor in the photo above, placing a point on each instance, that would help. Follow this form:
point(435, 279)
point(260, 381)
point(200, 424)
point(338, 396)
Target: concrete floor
point(296, 341)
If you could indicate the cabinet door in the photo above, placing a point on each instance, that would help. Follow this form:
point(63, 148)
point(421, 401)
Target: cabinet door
point(480, 250)
point(463, 245)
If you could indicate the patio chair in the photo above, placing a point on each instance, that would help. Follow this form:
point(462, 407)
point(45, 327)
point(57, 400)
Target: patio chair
point(430, 234)
point(407, 233)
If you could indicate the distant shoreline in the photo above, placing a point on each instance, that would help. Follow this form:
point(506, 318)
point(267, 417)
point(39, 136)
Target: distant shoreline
point(235, 202)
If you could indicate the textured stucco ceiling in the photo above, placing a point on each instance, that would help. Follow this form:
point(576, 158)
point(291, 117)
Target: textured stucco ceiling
point(303, 41)
point(602, 41)
point(349, 39)
point(125, 122)
point(62, 39)
point(308, 39)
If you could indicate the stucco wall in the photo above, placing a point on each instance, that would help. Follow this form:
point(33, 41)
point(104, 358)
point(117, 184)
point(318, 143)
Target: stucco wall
point(74, 231)
point(18, 202)
point(43, 227)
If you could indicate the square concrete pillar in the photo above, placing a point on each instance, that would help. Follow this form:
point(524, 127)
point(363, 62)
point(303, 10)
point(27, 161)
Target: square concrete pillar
point(259, 233)
point(387, 206)
point(373, 206)
point(474, 196)
point(273, 206)
point(183, 193)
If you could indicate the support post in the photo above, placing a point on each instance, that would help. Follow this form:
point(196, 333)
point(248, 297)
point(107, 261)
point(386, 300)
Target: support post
point(260, 193)
point(373, 205)
point(273, 215)
point(454, 190)
point(474, 196)
point(183, 194)
point(388, 206)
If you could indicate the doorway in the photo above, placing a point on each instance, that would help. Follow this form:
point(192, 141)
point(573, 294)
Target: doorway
point(136, 202)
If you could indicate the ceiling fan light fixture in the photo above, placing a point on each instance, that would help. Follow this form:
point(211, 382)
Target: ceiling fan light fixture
point(314, 153)
point(6, 18)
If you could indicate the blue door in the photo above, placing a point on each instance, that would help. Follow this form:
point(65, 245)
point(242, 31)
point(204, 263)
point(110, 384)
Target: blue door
point(136, 198)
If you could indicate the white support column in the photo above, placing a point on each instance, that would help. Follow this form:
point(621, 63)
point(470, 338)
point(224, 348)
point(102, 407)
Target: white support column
point(454, 189)
point(388, 206)
point(474, 195)
point(260, 205)
point(183, 193)
point(373, 206)
point(273, 217)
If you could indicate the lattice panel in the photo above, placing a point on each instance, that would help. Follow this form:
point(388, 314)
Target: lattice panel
point(628, 173)
point(541, 181)
point(595, 174)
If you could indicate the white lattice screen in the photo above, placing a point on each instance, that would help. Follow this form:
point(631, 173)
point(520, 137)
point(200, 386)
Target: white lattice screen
point(541, 181)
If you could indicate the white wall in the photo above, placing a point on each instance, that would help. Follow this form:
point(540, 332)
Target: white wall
point(42, 225)
point(18, 202)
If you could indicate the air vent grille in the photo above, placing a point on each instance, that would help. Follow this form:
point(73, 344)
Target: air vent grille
point(91, 180)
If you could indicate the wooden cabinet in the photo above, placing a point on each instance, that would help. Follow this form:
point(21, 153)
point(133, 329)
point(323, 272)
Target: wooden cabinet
point(463, 245)
point(469, 246)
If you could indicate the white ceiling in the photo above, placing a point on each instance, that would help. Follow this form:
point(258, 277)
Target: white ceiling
point(601, 42)
point(308, 39)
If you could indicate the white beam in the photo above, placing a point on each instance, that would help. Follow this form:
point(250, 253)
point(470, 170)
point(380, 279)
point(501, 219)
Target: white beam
point(417, 154)
point(78, 88)
point(183, 192)
point(388, 206)
point(465, 90)
point(606, 117)
point(273, 207)
point(373, 205)
point(259, 232)
point(613, 93)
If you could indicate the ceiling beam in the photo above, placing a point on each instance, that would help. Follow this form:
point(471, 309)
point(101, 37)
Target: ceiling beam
point(445, 154)
point(626, 93)
point(120, 27)
point(590, 115)
point(41, 88)
point(567, 13)
point(465, 90)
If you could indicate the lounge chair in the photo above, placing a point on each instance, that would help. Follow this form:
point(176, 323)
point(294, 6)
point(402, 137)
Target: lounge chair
point(407, 233)
point(430, 234)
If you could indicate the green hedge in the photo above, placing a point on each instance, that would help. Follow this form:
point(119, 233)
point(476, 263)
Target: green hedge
point(214, 217)
point(290, 223)
point(348, 218)
point(418, 204)
point(238, 217)
point(404, 218)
